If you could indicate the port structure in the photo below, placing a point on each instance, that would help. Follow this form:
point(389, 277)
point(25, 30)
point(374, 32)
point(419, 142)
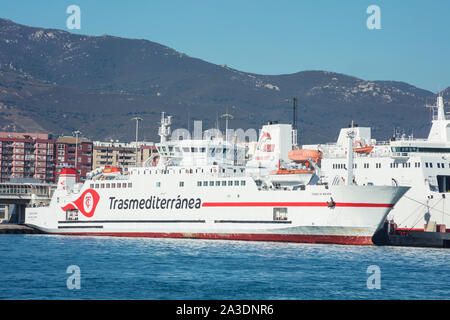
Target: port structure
point(20, 195)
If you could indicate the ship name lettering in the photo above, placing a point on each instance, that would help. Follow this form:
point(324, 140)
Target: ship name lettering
point(154, 203)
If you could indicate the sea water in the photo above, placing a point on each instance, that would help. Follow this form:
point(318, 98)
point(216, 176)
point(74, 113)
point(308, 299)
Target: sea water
point(70, 267)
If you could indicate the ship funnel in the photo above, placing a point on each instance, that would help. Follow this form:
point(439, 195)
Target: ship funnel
point(67, 179)
point(273, 146)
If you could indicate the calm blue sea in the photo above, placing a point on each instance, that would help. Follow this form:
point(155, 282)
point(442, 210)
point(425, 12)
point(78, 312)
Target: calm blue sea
point(34, 267)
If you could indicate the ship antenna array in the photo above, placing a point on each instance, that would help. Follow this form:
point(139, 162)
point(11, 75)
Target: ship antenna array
point(164, 129)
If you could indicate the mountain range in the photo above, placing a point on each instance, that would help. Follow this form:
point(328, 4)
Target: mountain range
point(57, 82)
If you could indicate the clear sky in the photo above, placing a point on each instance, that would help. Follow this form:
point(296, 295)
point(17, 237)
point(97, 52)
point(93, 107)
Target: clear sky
point(274, 37)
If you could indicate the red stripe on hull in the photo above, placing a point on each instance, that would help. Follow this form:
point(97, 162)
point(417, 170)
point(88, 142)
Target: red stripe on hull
point(409, 229)
point(294, 204)
point(303, 238)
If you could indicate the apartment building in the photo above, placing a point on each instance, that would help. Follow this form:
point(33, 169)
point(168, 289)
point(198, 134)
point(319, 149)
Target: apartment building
point(71, 152)
point(27, 156)
point(122, 154)
point(38, 156)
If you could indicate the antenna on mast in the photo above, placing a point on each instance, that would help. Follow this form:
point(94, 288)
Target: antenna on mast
point(294, 120)
point(217, 121)
point(189, 121)
point(294, 123)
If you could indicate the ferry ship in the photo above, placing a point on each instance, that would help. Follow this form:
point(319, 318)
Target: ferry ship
point(204, 188)
point(422, 164)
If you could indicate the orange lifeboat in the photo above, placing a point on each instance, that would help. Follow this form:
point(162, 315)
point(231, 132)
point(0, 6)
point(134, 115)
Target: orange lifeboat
point(290, 177)
point(293, 171)
point(359, 148)
point(303, 155)
point(109, 170)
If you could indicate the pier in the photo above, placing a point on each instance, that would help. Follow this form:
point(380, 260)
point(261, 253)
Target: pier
point(17, 196)
point(9, 228)
point(434, 237)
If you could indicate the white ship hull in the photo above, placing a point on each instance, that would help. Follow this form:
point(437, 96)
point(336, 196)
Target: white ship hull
point(238, 213)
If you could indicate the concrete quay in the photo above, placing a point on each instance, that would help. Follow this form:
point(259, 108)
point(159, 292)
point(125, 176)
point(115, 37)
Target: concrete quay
point(10, 228)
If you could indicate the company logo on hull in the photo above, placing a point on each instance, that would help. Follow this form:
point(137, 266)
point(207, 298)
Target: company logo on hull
point(86, 203)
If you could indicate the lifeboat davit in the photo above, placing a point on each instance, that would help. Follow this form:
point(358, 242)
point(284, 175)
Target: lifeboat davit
point(111, 171)
point(359, 148)
point(303, 155)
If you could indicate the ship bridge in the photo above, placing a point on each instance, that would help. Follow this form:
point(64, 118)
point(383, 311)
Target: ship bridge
point(212, 150)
